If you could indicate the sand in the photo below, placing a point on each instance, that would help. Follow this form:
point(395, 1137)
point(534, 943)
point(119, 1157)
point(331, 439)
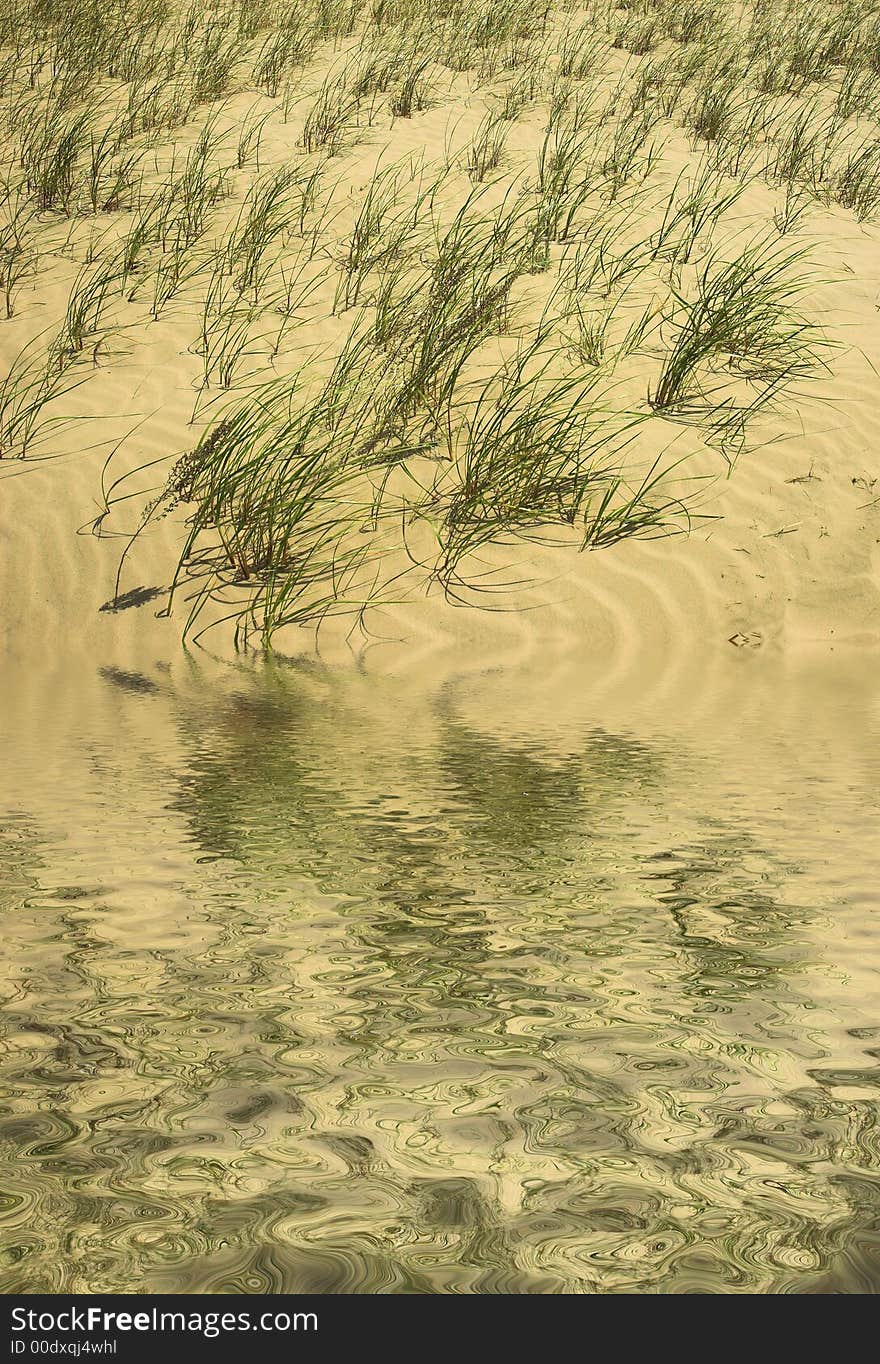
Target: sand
point(786, 559)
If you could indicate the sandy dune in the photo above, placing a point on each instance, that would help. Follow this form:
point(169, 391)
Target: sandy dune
point(786, 558)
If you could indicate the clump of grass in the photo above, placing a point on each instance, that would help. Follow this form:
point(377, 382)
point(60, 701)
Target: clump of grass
point(250, 138)
point(412, 91)
point(269, 214)
point(592, 340)
point(18, 252)
point(176, 267)
point(629, 153)
point(568, 171)
point(697, 202)
point(858, 94)
point(283, 50)
point(741, 325)
point(337, 18)
point(32, 382)
point(600, 262)
point(143, 233)
point(172, 221)
point(856, 184)
point(795, 203)
point(332, 119)
point(136, 41)
point(637, 33)
point(189, 197)
point(595, 321)
point(489, 37)
point(803, 147)
point(298, 282)
point(156, 105)
point(580, 53)
point(110, 170)
point(787, 54)
point(50, 148)
point(389, 14)
point(445, 312)
point(210, 52)
point(518, 95)
point(547, 452)
point(662, 81)
point(90, 295)
point(376, 236)
point(225, 331)
point(274, 530)
point(691, 21)
point(486, 151)
point(716, 101)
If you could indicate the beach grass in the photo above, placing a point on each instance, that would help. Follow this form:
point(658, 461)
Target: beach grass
point(440, 263)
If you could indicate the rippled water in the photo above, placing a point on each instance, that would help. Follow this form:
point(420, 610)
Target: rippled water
point(317, 980)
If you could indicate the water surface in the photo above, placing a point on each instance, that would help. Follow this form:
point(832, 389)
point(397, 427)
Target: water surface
point(319, 980)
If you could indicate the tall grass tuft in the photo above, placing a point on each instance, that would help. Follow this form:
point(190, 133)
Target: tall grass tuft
point(18, 251)
point(740, 328)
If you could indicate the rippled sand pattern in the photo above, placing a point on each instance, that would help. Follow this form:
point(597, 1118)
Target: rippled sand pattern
point(314, 981)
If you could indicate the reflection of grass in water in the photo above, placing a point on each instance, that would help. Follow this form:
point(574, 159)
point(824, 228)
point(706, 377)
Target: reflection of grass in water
point(729, 918)
point(424, 840)
point(439, 992)
point(19, 859)
point(487, 991)
point(293, 782)
point(449, 844)
point(427, 839)
point(520, 804)
point(427, 836)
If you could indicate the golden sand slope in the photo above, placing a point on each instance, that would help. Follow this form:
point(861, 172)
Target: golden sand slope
point(788, 557)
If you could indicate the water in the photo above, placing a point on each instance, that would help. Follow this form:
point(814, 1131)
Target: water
point(318, 980)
